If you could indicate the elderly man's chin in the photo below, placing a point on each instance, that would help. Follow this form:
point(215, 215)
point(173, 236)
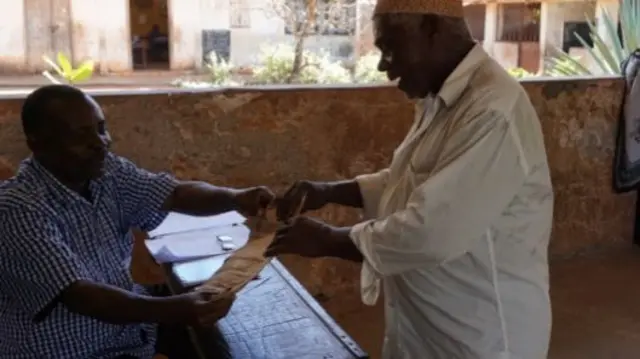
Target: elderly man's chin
point(410, 89)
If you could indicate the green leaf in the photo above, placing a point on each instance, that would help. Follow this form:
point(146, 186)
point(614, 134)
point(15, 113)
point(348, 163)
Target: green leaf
point(65, 64)
point(82, 73)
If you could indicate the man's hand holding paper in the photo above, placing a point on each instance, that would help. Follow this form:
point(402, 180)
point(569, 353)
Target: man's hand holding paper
point(253, 201)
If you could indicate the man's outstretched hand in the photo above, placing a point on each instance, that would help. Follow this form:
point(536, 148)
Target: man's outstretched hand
point(253, 201)
point(203, 310)
point(301, 197)
point(303, 236)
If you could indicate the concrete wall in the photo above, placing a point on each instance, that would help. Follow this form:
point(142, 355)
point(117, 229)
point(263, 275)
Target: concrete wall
point(274, 137)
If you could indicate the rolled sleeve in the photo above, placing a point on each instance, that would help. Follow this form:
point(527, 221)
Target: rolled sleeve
point(142, 194)
point(35, 263)
point(371, 188)
point(483, 168)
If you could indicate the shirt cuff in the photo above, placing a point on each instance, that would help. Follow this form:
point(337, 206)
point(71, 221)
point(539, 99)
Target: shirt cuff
point(369, 279)
point(371, 186)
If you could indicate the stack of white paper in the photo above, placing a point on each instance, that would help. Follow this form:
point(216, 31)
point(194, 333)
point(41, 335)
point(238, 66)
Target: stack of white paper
point(181, 237)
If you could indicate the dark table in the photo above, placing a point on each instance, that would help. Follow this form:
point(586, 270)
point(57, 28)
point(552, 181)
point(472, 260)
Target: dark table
point(274, 317)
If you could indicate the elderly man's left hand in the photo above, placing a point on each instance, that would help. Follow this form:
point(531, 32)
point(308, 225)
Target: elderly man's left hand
point(303, 236)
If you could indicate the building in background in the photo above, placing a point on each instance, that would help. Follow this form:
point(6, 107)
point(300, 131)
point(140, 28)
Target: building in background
point(127, 35)
point(522, 33)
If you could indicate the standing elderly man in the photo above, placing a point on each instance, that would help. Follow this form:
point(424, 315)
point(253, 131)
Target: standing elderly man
point(65, 226)
point(459, 223)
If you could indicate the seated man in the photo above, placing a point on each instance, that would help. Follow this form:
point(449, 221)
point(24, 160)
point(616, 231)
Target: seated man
point(65, 226)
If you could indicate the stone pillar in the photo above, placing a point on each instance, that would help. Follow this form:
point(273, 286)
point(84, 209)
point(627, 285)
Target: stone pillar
point(612, 9)
point(38, 32)
point(114, 44)
point(551, 29)
point(85, 31)
point(13, 40)
point(185, 47)
point(491, 22)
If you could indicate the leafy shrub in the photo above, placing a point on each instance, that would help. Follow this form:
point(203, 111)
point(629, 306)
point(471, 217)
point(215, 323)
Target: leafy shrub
point(220, 71)
point(608, 50)
point(519, 72)
point(564, 65)
point(65, 71)
point(276, 67)
point(366, 69)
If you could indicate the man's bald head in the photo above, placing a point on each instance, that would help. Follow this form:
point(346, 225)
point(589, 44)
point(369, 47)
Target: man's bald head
point(65, 130)
point(45, 107)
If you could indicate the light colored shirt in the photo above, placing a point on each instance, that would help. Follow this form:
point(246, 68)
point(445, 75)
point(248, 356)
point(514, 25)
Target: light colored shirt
point(459, 225)
point(52, 237)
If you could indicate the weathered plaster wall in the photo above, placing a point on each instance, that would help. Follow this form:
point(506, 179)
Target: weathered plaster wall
point(274, 137)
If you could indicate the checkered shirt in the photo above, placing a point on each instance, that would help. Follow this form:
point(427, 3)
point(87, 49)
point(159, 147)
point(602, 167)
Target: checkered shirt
point(51, 237)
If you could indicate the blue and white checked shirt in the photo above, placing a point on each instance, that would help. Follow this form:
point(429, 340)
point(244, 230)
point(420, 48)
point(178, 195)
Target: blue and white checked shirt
point(51, 237)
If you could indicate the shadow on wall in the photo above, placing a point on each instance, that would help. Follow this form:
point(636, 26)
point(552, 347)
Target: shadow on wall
point(275, 136)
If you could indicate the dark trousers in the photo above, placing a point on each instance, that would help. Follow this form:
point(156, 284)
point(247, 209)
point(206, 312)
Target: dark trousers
point(173, 341)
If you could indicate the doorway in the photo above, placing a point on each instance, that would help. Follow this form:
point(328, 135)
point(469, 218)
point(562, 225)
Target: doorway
point(150, 37)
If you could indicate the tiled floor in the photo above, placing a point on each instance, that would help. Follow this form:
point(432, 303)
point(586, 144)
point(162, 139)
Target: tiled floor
point(596, 305)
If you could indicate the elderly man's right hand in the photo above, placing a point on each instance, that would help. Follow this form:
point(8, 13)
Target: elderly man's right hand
point(303, 196)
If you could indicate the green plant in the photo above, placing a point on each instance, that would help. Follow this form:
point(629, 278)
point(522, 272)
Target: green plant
point(65, 70)
point(607, 56)
point(366, 69)
point(519, 72)
point(220, 70)
point(277, 65)
point(566, 66)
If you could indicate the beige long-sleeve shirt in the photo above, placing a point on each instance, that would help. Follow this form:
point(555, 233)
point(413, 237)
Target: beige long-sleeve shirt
point(459, 224)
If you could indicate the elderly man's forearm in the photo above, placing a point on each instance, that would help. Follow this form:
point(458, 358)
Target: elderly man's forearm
point(345, 193)
point(200, 199)
point(117, 306)
point(341, 246)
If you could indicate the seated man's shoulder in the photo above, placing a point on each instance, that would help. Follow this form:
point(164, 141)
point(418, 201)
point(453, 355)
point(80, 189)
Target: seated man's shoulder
point(121, 166)
point(20, 207)
point(17, 195)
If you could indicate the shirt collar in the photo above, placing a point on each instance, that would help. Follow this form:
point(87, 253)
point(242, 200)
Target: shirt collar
point(459, 79)
point(33, 169)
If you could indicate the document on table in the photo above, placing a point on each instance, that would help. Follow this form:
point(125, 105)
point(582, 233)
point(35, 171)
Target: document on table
point(177, 223)
point(182, 238)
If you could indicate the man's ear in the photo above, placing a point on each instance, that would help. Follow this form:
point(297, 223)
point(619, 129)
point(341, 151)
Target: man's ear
point(33, 142)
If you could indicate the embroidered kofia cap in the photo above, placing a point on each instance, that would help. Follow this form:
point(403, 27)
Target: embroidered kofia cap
point(453, 8)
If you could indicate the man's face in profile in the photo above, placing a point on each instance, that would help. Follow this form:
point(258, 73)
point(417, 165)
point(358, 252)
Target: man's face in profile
point(76, 143)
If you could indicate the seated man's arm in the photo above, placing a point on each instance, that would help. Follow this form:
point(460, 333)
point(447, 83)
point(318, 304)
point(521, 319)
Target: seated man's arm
point(147, 197)
point(483, 167)
point(42, 272)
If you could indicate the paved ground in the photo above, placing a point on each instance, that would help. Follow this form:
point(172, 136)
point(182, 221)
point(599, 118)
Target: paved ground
point(596, 308)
